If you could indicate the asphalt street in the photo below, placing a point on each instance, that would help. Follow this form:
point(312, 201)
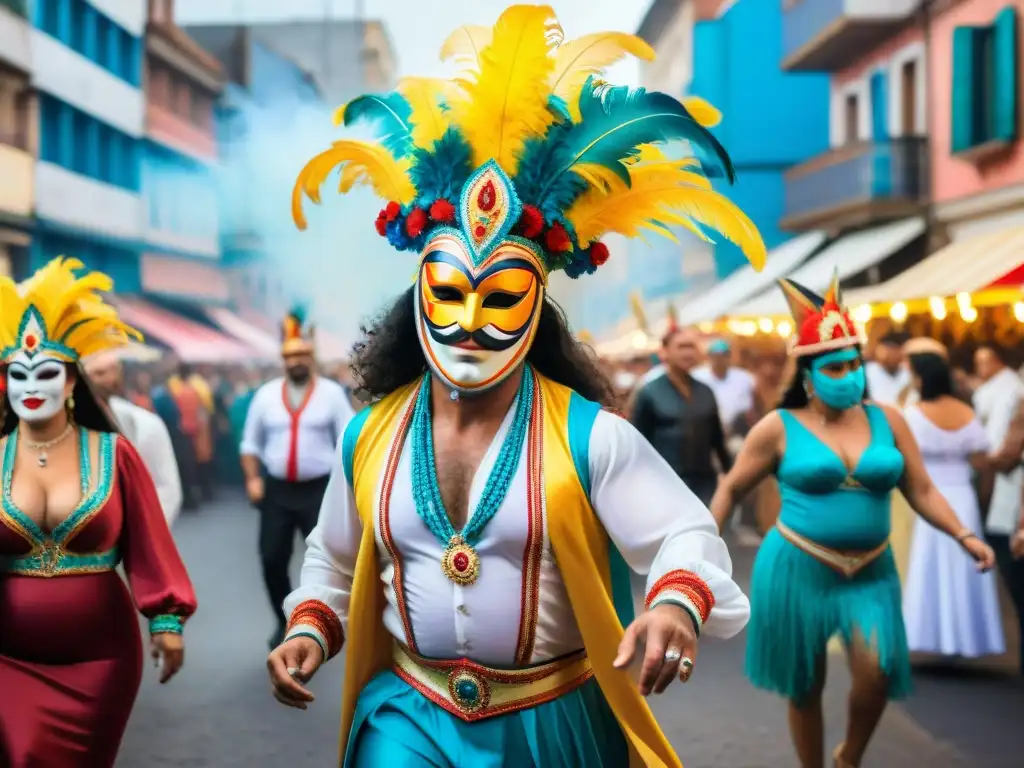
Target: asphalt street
point(218, 713)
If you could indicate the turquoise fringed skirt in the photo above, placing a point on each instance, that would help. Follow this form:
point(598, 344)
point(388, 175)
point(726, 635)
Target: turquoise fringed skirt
point(798, 604)
point(395, 726)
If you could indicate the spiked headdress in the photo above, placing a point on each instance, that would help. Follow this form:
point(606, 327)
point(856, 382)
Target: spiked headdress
point(821, 323)
point(297, 335)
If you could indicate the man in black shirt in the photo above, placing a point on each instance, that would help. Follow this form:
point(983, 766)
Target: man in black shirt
point(679, 416)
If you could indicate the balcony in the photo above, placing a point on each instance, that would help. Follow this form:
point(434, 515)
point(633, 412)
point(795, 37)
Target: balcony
point(167, 128)
point(15, 46)
point(17, 172)
point(857, 184)
point(828, 35)
point(78, 202)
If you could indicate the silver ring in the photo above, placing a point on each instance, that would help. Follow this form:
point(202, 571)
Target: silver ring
point(673, 655)
point(293, 672)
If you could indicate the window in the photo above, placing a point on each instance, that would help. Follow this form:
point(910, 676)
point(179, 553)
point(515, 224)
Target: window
point(202, 111)
point(80, 124)
point(182, 98)
point(49, 120)
point(851, 119)
point(103, 28)
point(127, 67)
point(79, 18)
point(908, 93)
point(986, 73)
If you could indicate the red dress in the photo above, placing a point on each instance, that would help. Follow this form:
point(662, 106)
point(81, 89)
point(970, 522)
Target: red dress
point(71, 654)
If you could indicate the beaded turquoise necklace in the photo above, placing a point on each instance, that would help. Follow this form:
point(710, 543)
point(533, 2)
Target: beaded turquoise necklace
point(460, 561)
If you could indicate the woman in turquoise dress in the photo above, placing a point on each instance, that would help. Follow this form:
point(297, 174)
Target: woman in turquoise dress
point(827, 569)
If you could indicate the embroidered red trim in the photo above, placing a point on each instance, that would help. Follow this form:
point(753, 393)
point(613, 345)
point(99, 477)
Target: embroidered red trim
point(323, 619)
point(534, 550)
point(687, 583)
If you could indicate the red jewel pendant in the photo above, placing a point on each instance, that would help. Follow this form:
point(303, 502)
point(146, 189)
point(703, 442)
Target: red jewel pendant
point(460, 562)
point(487, 197)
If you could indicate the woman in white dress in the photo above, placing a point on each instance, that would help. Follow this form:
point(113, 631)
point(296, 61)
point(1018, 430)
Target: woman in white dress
point(949, 608)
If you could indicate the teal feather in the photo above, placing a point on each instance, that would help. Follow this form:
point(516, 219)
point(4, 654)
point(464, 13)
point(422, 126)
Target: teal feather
point(298, 312)
point(389, 113)
point(441, 172)
point(616, 120)
point(533, 177)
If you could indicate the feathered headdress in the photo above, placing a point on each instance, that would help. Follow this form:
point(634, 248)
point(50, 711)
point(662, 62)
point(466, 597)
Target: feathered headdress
point(822, 322)
point(528, 144)
point(297, 335)
point(59, 314)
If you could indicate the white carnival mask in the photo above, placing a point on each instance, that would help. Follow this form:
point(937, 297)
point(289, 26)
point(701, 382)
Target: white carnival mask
point(36, 387)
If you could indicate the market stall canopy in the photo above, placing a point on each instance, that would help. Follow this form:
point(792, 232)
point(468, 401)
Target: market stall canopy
point(262, 342)
point(746, 281)
point(964, 266)
point(189, 340)
point(139, 353)
point(850, 255)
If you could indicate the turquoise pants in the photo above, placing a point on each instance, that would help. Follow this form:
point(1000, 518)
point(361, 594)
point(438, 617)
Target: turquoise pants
point(395, 726)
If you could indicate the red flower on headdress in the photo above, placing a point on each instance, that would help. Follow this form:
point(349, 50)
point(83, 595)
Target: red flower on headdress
point(392, 211)
point(381, 223)
point(828, 324)
point(557, 239)
point(441, 210)
point(531, 221)
point(415, 222)
point(598, 253)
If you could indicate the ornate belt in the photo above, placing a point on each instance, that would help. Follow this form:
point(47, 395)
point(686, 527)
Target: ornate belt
point(846, 564)
point(471, 691)
point(51, 559)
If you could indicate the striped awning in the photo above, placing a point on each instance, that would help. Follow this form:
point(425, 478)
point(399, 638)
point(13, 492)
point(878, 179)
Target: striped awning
point(964, 266)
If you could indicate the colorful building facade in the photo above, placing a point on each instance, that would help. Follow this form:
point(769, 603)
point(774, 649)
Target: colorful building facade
point(18, 137)
point(87, 66)
point(179, 185)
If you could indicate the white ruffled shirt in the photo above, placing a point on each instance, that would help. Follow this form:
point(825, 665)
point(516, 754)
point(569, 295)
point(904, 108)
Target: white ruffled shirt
point(656, 522)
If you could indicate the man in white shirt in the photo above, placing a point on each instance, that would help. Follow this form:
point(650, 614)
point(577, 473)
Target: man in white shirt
point(287, 450)
point(733, 387)
point(886, 375)
point(145, 430)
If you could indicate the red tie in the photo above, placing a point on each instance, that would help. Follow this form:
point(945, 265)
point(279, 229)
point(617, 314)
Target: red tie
point(292, 470)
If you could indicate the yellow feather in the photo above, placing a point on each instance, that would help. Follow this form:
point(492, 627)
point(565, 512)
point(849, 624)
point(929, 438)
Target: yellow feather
point(507, 102)
point(576, 60)
point(425, 96)
point(663, 194)
point(363, 163)
point(702, 111)
point(464, 45)
point(338, 116)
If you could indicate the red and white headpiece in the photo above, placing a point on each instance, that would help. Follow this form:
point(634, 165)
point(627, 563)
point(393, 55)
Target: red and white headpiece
point(821, 323)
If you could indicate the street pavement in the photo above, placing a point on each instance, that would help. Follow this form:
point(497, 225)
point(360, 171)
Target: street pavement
point(218, 712)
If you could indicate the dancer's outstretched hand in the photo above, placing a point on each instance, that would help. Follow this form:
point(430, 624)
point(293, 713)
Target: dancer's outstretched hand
point(671, 641)
point(290, 665)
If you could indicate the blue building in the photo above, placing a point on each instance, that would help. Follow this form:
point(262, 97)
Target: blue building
point(181, 259)
point(728, 53)
point(87, 67)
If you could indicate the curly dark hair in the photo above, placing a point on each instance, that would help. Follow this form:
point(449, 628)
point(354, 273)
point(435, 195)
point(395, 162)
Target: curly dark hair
point(389, 355)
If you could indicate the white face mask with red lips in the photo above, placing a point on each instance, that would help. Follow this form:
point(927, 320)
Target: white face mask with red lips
point(36, 387)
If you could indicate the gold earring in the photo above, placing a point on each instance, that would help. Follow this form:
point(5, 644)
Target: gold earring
point(69, 407)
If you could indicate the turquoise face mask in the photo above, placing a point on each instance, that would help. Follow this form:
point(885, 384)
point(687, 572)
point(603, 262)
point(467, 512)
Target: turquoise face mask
point(840, 392)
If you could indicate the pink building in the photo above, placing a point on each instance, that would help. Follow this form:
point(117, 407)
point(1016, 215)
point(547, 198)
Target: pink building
point(977, 149)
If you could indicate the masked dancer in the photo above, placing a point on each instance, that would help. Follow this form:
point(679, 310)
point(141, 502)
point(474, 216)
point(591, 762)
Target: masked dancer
point(77, 501)
point(827, 568)
point(474, 546)
point(291, 429)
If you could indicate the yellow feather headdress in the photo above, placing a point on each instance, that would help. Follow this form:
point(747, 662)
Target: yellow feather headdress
point(59, 314)
point(528, 143)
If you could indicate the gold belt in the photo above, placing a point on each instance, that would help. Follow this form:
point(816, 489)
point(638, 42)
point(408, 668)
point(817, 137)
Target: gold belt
point(472, 691)
point(848, 565)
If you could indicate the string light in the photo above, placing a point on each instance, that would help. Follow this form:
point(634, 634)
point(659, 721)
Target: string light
point(969, 314)
point(862, 314)
point(785, 328)
point(748, 328)
point(734, 327)
point(1018, 311)
point(639, 340)
point(938, 307)
point(706, 327)
point(898, 312)
point(765, 325)
point(963, 301)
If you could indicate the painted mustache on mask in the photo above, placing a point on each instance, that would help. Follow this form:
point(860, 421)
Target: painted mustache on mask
point(491, 340)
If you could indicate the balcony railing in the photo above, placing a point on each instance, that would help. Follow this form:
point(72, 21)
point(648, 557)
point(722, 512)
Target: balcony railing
point(857, 184)
point(19, 7)
point(826, 35)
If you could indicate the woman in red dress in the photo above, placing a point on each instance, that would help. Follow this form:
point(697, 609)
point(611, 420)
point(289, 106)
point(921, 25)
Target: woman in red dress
point(76, 501)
